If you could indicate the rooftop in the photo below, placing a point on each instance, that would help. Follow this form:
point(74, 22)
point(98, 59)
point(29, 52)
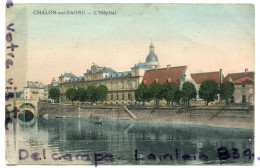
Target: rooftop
point(242, 77)
point(142, 65)
point(164, 75)
point(199, 78)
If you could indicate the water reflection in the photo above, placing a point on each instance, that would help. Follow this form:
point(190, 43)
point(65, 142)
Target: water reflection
point(122, 138)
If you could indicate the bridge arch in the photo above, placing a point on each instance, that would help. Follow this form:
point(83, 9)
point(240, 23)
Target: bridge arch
point(28, 108)
point(27, 105)
point(26, 115)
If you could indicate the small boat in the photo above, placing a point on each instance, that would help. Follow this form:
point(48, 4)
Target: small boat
point(99, 122)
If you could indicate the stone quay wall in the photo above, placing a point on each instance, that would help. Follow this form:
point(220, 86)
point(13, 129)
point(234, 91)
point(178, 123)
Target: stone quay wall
point(235, 117)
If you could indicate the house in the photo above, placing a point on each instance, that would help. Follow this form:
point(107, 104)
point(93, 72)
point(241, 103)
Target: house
point(244, 86)
point(199, 78)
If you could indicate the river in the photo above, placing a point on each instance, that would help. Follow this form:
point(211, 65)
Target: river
point(64, 141)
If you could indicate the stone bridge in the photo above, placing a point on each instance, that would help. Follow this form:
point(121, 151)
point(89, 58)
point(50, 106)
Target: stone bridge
point(23, 105)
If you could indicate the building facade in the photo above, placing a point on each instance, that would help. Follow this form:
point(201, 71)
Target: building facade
point(34, 90)
point(121, 85)
point(244, 87)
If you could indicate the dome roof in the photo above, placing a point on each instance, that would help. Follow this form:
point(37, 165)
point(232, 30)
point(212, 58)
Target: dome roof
point(151, 58)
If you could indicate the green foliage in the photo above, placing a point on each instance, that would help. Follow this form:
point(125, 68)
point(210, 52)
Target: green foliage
point(208, 90)
point(92, 93)
point(188, 91)
point(102, 92)
point(171, 92)
point(82, 94)
point(226, 91)
point(72, 94)
point(54, 93)
point(156, 92)
point(177, 96)
point(142, 93)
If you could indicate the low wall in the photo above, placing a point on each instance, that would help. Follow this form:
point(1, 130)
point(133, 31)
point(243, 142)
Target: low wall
point(236, 117)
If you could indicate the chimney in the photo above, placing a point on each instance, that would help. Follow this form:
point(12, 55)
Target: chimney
point(220, 76)
point(246, 70)
point(168, 66)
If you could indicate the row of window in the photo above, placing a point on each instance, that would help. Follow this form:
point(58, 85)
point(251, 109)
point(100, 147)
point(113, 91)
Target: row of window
point(123, 97)
point(116, 86)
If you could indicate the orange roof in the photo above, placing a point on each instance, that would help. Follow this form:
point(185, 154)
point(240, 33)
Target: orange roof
point(201, 77)
point(239, 78)
point(163, 75)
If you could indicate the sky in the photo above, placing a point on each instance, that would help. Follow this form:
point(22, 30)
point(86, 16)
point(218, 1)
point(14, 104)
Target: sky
point(205, 37)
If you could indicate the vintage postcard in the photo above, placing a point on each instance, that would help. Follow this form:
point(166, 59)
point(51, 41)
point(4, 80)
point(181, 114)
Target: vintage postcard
point(129, 84)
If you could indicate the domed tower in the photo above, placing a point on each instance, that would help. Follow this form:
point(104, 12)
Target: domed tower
point(152, 59)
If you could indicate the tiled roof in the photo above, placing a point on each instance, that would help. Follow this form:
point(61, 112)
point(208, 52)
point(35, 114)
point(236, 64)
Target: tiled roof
point(239, 78)
point(81, 78)
point(102, 70)
point(142, 65)
point(163, 75)
point(69, 75)
point(243, 80)
point(201, 77)
point(34, 86)
point(108, 70)
point(119, 74)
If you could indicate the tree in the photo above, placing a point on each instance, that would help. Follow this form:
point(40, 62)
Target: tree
point(177, 96)
point(54, 93)
point(102, 93)
point(142, 93)
point(208, 91)
point(156, 92)
point(92, 93)
point(171, 92)
point(226, 91)
point(72, 94)
point(82, 95)
point(188, 91)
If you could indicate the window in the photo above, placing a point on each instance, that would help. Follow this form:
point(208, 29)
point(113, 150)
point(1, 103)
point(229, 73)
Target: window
point(123, 96)
point(232, 99)
point(111, 97)
point(243, 85)
point(116, 96)
point(129, 96)
point(243, 99)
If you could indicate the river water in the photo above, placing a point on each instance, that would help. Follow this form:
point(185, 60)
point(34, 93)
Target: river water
point(64, 141)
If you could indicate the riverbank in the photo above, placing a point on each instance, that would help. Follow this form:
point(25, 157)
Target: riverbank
point(234, 117)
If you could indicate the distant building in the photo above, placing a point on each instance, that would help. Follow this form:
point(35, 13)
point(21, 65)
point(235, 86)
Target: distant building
point(67, 77)
point(34, 90)
point(53, 83)
point(199, 78)
point(121, 85)
point(244, 86)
